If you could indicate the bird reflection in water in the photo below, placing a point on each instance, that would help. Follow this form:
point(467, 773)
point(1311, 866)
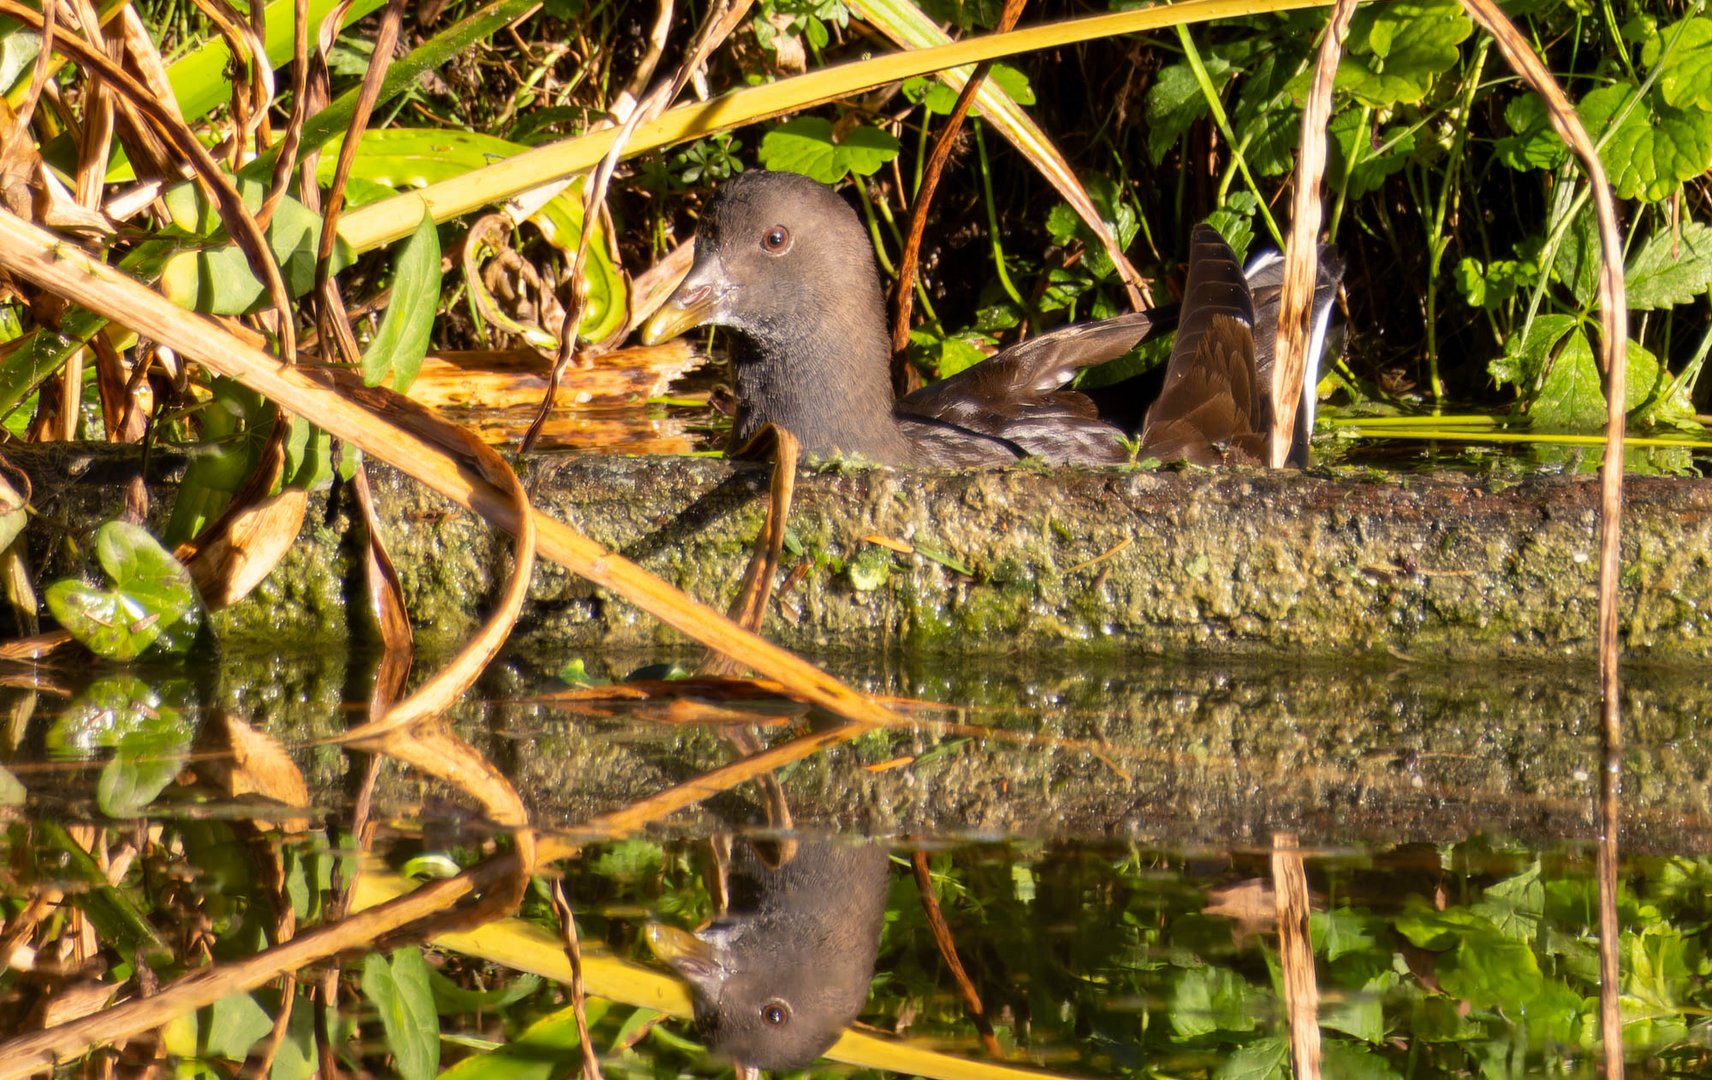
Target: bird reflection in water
point(779, 976)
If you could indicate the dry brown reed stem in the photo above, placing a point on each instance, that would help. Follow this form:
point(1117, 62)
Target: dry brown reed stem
point(1302, 251)
point(39, 256)
point(902, 374)
point(239, 222)
point(1296, 955)
point(1613, 354)
point(948, 951)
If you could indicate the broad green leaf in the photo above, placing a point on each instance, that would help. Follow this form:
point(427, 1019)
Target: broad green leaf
point(1209, 999)
point(1346, 1061)
point(148, 591)
point(1262, 1059)
point(218, 280)
point(1174, 103)
point(408, 325)
point(1352, 141)
point(807, 145)
point(1648, 149)
point(1555, 360)
point(1394, 51)
point(1515, 904)
point(1531, 144)
point(235, 1023)
point(1685, 77)
point(1671, 268)
point(235, 424)
point(397, 986)
point(297, 1059)
point(145, 728)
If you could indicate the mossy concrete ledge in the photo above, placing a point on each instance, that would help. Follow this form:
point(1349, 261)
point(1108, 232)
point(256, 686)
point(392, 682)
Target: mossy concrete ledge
point(1026, 557)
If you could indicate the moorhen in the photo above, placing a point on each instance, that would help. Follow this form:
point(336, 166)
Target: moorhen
point(779, 976)
point(784, 261)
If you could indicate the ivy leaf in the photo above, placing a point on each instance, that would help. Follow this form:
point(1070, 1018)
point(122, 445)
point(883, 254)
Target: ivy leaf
point(149, 592)
point(806, 145)
point(402, 340)
point(1651, 148)
point(1395, 50)
point(1671, 268)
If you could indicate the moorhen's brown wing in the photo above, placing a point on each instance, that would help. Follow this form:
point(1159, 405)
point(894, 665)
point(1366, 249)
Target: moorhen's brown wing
point(1014, 403)
point(1211, 409)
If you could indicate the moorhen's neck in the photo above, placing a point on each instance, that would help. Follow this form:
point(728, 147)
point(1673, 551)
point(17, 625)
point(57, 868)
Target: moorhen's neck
point(822, 371)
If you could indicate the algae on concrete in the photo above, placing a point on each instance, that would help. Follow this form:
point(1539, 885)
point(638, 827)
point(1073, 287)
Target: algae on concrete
point(1163, 562)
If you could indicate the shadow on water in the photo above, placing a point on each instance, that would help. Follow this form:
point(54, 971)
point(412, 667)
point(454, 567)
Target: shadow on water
point(1097, 838)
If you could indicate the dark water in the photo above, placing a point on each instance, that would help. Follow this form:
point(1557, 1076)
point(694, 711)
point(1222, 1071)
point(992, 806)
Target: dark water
point(1101, 835)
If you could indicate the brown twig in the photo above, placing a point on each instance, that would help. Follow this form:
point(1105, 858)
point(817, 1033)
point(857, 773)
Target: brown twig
point(948, 950)
point(579, 991)
point(903, 376)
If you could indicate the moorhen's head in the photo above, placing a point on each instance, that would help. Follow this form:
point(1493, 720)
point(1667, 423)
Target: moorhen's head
point(784, 261)
point(785, 971)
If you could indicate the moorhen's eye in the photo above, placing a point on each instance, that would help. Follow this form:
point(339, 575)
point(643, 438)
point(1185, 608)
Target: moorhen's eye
point(775, 1012)
point(777, 240)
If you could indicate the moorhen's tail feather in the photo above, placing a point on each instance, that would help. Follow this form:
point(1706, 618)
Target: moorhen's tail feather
point(1212, 408)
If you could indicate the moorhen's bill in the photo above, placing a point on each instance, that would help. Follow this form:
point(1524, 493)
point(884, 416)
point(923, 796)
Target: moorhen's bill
point(784, 261)
point(784, 971)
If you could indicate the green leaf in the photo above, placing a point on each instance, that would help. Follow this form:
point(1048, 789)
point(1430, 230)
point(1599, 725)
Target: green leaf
point(218, 280)
point(1671, 268)
point(1344, 1061)
point(1394, 51)
point(1685, 77)
point(807, 145)
point(406, 328)
point(12, 791)
point(297, 1059)
point(1174, 102)
point(1556, 360)
point(235, 1023)
point(1515, 904)
point(1262, 1059)
point(1648, 149)
point(1208, 999)
point(398, 988)
point(1351, 151)
point(149, 591)
point(1531, 144)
